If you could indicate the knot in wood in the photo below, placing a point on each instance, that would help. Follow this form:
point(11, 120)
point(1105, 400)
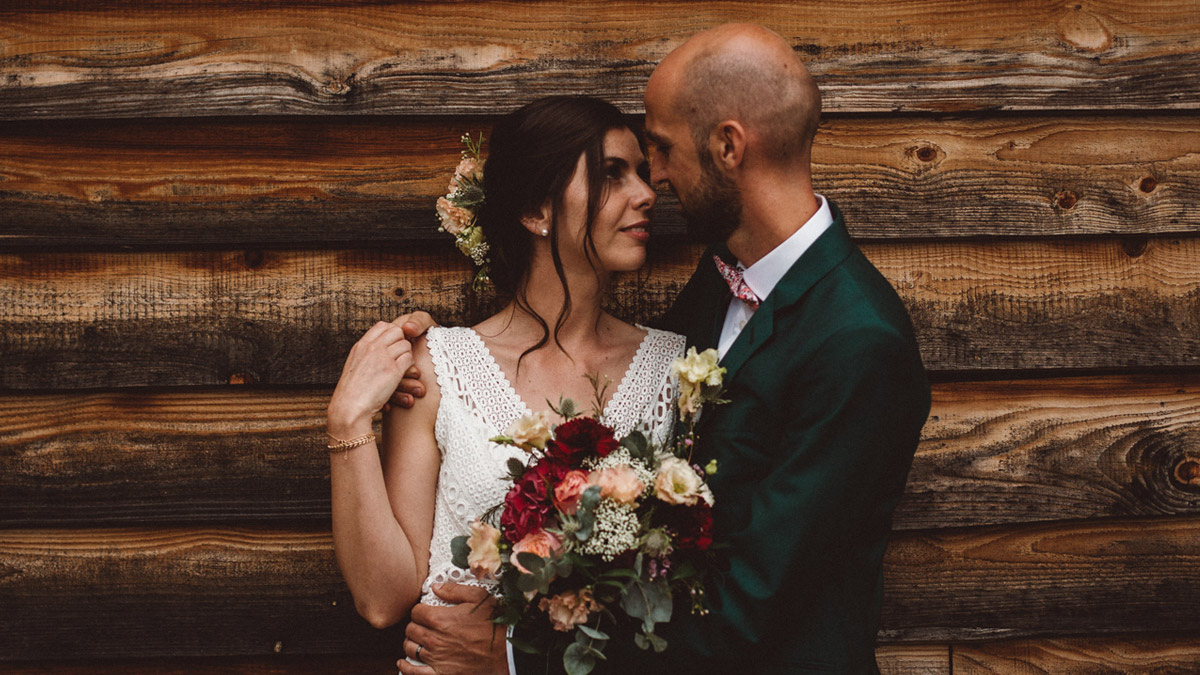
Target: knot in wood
point(1187, 471)
point(254, 259)
point(241, 378)
point(926, 154)
point(1148, 184)
point(1134, 246)
point(1065, 200)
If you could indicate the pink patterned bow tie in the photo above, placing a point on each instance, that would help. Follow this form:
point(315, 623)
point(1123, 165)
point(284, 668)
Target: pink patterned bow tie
point(735, 277)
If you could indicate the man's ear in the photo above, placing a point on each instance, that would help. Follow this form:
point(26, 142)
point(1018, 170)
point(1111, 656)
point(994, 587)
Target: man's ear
point(727, 143)
point(538, 222)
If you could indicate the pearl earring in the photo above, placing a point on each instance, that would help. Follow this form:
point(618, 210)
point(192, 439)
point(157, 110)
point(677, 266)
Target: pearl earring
point(545, 232)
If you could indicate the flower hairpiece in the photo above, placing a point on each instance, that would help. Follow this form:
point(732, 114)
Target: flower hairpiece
point(457, 210)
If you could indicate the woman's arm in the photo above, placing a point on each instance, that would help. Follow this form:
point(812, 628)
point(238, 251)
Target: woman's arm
point(383, 501)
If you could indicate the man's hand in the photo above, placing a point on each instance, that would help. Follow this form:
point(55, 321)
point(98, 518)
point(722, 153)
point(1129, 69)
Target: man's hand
point(414, 325)
point(458, 640)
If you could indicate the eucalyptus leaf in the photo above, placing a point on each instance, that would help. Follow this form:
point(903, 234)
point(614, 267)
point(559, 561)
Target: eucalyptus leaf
point(648, 601)
point(528, 582)
point(659, 644)
point(578, 660)
point(531, 561)
point(591, 632)
point(459, 550)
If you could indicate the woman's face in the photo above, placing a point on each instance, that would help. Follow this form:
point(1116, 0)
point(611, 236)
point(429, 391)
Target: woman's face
point(622, 226)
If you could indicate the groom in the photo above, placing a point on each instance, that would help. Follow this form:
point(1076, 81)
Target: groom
point(826, 387)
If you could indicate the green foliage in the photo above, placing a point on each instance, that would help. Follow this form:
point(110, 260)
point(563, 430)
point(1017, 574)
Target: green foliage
point(639, 447)
point(516, 469)
point(459, 550)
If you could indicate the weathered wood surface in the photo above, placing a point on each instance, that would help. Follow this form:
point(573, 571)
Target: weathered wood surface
point(993, 452)
point(893, 660)
point(134, 592)
point(309, 664)
point(203, 592)
point(1140, 655)
point(1060, 579)
point(348, 181)
point(212, 317)
point(1056, 449)
point(119, 58)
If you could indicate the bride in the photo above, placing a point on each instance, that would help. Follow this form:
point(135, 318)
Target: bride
point(566, 208)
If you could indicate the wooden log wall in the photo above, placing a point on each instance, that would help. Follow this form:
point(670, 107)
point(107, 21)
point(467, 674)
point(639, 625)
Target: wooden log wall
point(203, 203)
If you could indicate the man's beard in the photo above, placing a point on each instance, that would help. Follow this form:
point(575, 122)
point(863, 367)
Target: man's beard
point(713, 208)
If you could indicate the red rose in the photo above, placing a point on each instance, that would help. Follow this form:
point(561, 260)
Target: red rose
point(528, 502)
point(691, 526)
point(579, 438)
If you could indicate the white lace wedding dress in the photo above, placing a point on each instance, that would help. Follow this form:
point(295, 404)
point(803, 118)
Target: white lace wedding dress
point(478, 403)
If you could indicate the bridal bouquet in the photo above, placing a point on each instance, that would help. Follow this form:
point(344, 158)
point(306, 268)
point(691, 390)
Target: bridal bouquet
point(597, 532)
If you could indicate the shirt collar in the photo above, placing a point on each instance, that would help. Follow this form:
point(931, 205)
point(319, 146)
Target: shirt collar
point(763, 275)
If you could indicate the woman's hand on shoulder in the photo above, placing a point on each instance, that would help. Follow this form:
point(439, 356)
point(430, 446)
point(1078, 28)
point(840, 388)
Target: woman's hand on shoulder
point(372, 372)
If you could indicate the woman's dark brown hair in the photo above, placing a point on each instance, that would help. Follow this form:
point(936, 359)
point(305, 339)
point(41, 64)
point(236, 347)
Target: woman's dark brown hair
point(532, 155)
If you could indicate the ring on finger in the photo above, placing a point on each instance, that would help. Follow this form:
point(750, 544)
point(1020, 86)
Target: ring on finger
point(418, 654)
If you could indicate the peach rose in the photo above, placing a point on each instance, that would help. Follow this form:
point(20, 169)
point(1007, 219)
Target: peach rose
point(678, 483)
point(454, 219)
point(569, 609)
point(540, 543)
point(484, 558)
point(619, 483)
point(569, 490)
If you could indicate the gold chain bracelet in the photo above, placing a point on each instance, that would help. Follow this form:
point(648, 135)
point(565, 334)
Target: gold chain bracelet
point(349, 445)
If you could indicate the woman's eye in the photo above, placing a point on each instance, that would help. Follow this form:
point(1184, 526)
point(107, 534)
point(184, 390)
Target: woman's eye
point(614, 171)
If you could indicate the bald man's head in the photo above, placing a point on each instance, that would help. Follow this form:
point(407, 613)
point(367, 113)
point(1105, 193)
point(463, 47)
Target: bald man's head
point(746, 73)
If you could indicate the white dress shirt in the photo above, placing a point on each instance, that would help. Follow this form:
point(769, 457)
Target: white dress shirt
point(763, 275)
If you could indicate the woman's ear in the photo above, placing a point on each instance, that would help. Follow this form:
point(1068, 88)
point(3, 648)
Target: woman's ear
point(538, 222)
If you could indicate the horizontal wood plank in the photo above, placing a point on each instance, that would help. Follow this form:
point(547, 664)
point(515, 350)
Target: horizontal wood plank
point(310, 664)
point(289, 181)
point(214, 317)
point(1056, 449)
point(900, 659)
point(992, 452)
point(1139, 655)
point(135, 592)
point(124, 58)
point(203, 592)
point(1058, 579)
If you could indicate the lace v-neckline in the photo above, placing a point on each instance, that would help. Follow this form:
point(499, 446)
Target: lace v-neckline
point(502, 380)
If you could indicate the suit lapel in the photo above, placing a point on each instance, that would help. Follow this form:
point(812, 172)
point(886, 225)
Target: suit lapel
point(830, 249)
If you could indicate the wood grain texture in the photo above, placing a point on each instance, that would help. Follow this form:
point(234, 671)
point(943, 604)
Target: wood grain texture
point(202, 592)
point(120, 58)
point(1135, 655)
point(212, 317)
point(348, 181)
point(339, 664)
point(992, 452)
point(894, 659)
point(1062, 579)
point(197, 592)
point(1057, 449)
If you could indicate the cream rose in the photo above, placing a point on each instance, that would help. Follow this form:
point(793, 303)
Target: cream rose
point(484, 558)
point(531, 431)
point(699, 368)
point(540, 543)
point(569, 608)
point(618, 483)
point(678, 483)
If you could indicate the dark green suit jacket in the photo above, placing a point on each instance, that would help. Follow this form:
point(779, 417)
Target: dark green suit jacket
point(827, 398)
